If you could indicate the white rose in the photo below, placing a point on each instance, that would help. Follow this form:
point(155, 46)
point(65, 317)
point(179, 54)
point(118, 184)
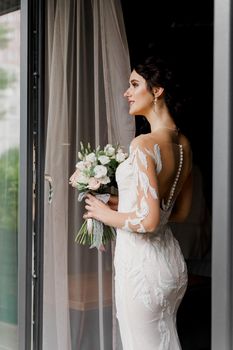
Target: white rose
point(83, 179)
point(80, 165)
point(73, 179)
point(104, 160)
point(109, 150)
point(104, 180)
point(100, 171)
point(91, 157)
point(83, 165)
point(120, 157)
point(93, 184)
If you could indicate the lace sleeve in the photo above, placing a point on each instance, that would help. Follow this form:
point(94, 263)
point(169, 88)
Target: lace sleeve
point(146, 163)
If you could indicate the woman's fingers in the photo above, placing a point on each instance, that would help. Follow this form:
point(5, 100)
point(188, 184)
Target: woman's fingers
point(90, 197)
point(94, 207)
point(93, 202)
point(87, 215)
point(90, 206)
point(89, 201)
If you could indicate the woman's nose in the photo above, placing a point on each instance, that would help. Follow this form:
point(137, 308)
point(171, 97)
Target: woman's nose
point(126, 93)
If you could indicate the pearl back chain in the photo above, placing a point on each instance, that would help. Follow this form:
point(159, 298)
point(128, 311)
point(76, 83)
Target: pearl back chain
point(172, 191)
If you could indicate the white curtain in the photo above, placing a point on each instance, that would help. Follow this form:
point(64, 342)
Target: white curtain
point(87, 72)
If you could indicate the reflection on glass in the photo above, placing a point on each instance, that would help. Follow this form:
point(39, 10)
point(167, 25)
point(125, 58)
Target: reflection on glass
point(9, 169)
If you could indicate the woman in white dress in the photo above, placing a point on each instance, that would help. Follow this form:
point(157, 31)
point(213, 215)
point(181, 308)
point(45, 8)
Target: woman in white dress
point(155, 187)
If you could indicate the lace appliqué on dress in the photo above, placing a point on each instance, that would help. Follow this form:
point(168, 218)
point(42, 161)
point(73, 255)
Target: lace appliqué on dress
point(139, 162)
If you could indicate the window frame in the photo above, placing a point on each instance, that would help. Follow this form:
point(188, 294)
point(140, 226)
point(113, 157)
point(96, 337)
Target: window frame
point(10, 6)
point(26, 180)
point(222, 179)
point(31, 199)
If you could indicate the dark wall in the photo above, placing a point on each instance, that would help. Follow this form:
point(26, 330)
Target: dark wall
point(182, 33)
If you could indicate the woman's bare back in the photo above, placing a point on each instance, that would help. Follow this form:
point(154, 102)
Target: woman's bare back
point(169, 142)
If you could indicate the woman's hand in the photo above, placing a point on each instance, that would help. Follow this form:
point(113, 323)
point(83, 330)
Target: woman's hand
point(96, 209)
point(100, 211)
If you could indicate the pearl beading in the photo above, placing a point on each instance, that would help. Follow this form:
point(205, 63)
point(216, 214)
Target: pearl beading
point(172, 191)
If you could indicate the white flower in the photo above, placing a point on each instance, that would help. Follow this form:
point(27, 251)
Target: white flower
point(82, 179)
point(120, 156)
point(109, 150)
point(82, 165)
point(100, 171)
point(104, 159)
point(74, 178)
point(104, 180)
point(91, 157)
point(93, 184)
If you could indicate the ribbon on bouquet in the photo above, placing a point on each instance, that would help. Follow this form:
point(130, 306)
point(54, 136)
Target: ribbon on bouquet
point(94, 226)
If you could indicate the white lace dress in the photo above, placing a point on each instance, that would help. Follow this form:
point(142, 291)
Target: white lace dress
point(150, 271)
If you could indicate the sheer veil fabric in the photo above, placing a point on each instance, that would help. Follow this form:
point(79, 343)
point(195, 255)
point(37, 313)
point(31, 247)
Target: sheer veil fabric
point(87, 72)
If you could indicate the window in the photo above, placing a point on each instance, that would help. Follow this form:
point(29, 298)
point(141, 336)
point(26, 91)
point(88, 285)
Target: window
point(9, 175)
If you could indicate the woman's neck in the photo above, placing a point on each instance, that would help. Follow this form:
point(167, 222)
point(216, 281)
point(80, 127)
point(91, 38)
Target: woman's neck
point(160, 118)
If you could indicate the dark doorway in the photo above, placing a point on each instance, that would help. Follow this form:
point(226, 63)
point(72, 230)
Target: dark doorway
point(182, 33)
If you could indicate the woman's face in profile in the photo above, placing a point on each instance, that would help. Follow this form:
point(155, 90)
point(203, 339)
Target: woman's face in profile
point(139, 98)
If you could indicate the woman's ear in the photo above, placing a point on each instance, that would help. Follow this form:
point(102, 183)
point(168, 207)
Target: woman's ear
point(158, 91)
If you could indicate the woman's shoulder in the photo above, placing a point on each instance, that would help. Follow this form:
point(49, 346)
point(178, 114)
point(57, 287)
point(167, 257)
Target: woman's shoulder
point(161, 139)
point(149, 140)
point(144, 140)
point(142, 143)
point(162, 144)
point(138, 141)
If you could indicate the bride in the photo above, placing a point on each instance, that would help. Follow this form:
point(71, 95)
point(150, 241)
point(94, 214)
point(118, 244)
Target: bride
point(154, 187)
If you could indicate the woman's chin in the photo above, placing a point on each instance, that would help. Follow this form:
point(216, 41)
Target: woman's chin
point(131, 111)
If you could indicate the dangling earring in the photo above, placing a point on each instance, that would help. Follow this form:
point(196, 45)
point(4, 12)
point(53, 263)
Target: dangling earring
point(154, 102)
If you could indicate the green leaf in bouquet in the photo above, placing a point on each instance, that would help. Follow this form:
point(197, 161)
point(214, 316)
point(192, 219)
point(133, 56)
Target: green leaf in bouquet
point(83, 237)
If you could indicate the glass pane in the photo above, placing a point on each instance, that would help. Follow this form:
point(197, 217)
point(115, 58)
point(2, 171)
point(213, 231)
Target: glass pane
point(9, 170)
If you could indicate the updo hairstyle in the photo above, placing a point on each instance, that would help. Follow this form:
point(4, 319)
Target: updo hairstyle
point(157, 73)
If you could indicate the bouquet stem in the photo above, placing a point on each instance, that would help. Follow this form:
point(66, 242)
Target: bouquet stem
point(84, 237)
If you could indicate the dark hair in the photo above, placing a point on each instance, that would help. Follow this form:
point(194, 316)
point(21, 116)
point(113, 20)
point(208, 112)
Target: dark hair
point(159, 73)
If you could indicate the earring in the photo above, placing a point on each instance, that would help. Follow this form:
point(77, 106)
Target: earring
point(155, 100)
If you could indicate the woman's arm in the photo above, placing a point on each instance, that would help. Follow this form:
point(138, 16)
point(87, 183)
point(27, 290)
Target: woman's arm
point(102, 212)
point(146, 216)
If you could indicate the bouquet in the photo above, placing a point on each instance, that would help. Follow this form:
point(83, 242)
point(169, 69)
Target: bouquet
point(95, 174)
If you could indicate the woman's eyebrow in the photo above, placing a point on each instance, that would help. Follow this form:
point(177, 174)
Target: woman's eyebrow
point(134, 80)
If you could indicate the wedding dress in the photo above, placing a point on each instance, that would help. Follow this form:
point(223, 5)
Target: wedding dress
point(150, 271)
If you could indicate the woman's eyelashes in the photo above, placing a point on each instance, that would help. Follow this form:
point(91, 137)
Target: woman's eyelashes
point(133, 83)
